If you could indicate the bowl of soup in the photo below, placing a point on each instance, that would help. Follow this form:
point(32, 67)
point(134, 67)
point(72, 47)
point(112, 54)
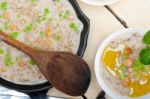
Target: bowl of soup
point(49, 25)
point(122, 64)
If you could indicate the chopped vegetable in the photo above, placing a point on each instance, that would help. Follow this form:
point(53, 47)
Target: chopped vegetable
point(145, 56)
point(13, 27)
point(33, 1)
point(57, 37)
point(4, 6)
point(41, 34)
point(48, 32)
point(138, 66)
point(122, 70)
point(41, 19)
point(32, 62)
point(146, 38)
point(57, 1)
point(6, 15)
point(28, 28)
point(14, 35)
point(128, 51)
point(1, 51)
point(46, 11)
point(73, 27)
point(8, 60)
point(6, 26)
point(65, 15)
point(21, 63)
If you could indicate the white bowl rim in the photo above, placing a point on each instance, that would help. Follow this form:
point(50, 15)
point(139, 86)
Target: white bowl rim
point(99, 3)
point(98, 57)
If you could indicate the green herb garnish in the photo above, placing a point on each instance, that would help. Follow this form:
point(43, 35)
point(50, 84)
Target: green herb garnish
point(57, 1)
point(145, 56)
point(46, 11)
point(4, 6)
point(41, 34)
point(14, 35)
point(65, 15)
point(122, 74)
point(145, 53)
point(41, 19)
point(28, 28)
point(73, 27)
point(138, 66)
point(31, 62)
point(57, 37)
point(6, 26)
point(1, 51)
point(8, 60)
point(146, 38)
point(33, 1)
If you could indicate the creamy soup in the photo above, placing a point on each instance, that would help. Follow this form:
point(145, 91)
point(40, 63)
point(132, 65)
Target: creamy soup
point(50, 25)
point(122, 59)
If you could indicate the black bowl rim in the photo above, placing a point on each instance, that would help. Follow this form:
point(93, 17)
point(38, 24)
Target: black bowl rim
point(82, 46)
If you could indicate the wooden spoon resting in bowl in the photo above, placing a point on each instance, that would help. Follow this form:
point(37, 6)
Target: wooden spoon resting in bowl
point(65, 71)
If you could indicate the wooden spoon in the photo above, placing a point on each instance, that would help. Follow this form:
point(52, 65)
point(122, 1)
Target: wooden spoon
point(65, 71)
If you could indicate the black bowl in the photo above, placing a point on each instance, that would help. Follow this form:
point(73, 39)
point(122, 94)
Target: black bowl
point(45, 86)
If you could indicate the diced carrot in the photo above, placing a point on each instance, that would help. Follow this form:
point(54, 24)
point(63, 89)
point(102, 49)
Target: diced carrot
point(13, 27)
point(3, 69)
point(128, 62)
point(128, 51)
point(6, 15)
point(21, 63)
point(48, 32)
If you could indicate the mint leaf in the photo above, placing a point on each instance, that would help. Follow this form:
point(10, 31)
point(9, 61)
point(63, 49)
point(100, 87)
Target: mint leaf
point(145, 56)
point(146, 38)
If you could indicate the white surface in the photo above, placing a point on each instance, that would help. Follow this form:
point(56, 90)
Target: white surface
point(98, 63)
point(99, 2)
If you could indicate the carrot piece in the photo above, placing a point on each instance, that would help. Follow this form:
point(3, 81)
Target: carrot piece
point(21, 63)
point(48, 32)
point(128, 51)
point(13, 27)
point(6, 15)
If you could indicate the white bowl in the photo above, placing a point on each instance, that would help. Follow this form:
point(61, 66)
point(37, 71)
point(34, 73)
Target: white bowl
point(99, 2)
point(98, 63)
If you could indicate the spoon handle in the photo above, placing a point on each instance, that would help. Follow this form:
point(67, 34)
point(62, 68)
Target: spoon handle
point(6, 38)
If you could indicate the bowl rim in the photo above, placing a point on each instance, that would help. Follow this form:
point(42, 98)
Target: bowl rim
point(99, 3)
point(43, 87)
point(98, 62)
